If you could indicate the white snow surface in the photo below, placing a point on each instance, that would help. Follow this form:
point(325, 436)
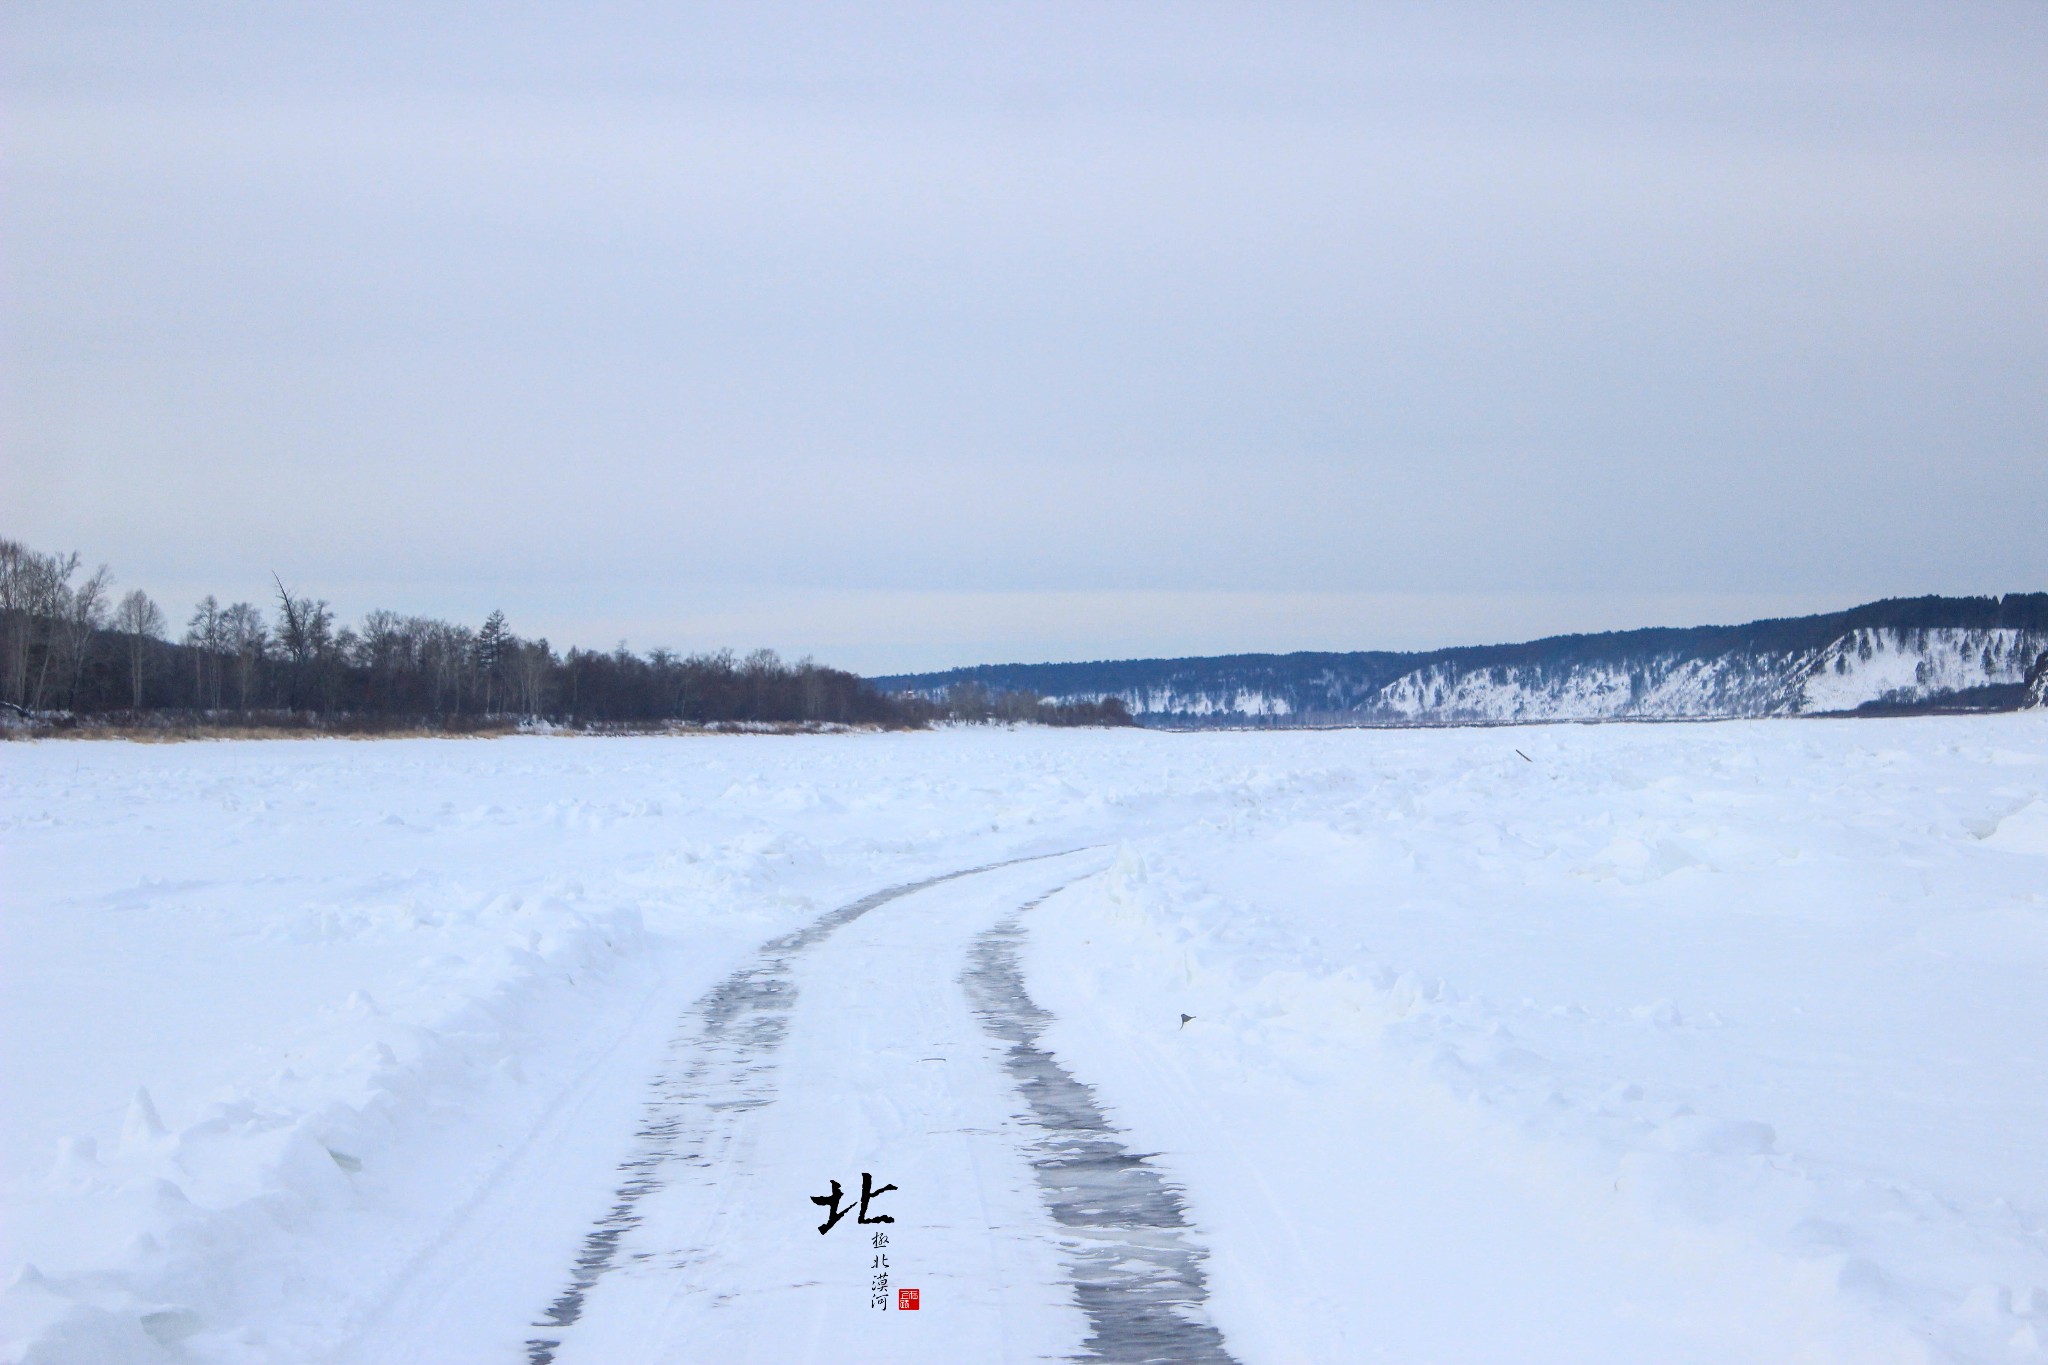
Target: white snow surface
point(1717, 1042)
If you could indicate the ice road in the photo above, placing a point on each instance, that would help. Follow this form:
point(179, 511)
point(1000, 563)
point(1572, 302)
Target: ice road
point(1672, 1043)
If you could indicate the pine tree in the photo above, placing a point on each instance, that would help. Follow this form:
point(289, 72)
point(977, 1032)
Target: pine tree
point(492, 643)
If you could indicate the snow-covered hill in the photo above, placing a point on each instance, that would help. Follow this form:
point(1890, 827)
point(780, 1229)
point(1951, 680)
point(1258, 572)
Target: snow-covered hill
point(1916, 654)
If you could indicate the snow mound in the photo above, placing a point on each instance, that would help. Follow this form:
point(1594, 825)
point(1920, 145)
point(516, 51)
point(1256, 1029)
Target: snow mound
point(2024, 831)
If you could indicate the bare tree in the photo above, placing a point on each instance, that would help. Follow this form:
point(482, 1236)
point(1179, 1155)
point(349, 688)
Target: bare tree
point(35, 592)
point(532, 665)
point(243, 635)
point(305, 630)
point(810, 688)
point(444, 653)
point(17, 621)
point(142, 621)
point(205, 635)
point(84, 613)
point(762, 669)
point(33, 597)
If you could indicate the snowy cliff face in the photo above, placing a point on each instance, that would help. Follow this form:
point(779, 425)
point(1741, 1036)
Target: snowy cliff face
point(2037, 682)
point(1887, 666)
point(1664, 687)
point(1205, 704)
point(1901, 653)
point(1913, 665)
point(1883, 665)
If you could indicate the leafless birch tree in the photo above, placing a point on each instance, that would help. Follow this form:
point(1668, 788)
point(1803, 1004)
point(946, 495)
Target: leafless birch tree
point(142, 621)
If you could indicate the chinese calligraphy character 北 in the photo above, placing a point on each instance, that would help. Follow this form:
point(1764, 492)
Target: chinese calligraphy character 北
point(868, 1194)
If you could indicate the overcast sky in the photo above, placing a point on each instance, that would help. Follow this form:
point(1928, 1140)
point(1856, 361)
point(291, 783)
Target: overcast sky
point(915, 336)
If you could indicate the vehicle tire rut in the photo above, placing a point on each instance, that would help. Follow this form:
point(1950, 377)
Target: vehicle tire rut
point(1137, 1273)
point(721, 1063)
point(1123, 1235)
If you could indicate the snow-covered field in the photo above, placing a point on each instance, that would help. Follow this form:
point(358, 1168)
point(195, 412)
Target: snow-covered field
point(1665, 1043)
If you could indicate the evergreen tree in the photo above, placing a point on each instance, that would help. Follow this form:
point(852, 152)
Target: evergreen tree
point(492, 644)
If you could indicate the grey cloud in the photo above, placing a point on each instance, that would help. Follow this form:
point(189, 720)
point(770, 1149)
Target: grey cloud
point(602, 311)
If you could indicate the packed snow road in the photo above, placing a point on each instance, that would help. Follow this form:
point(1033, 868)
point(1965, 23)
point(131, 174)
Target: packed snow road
point(847, 1060)
point(1616, 1044)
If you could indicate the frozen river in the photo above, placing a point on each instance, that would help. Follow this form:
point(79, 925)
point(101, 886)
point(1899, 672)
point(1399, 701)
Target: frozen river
point(1579, 1043)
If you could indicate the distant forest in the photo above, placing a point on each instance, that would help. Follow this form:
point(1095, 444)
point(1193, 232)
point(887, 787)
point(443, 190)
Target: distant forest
point(72, 648)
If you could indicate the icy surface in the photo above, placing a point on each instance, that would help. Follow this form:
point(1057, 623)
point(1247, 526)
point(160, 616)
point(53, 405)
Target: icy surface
point(1687, 1042)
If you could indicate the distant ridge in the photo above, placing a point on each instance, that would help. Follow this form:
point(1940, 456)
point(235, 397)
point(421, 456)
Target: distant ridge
point(1898, 655)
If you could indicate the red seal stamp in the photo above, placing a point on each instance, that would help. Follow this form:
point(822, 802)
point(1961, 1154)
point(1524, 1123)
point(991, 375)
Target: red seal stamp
point(906, 1300)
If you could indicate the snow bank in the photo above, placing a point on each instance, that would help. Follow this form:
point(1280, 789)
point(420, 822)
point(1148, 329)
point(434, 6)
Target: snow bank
point(1763, 1012)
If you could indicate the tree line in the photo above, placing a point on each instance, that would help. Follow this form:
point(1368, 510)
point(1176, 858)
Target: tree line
point(70, 644)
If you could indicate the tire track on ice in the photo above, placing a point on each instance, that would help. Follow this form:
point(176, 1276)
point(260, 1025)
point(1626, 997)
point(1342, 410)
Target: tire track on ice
point(1070, 1246)
point(719, 1069)
point(1136, 1272)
